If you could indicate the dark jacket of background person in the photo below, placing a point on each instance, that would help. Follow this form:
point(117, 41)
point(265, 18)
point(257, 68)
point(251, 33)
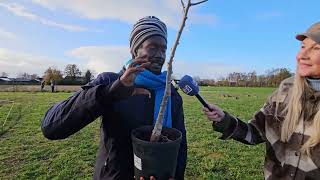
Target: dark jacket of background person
point(52, 83)
point(121, 113)
point(42, 85)
point(283, 160)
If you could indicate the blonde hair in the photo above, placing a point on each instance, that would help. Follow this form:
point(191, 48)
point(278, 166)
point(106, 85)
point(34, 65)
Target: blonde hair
point(293, 112)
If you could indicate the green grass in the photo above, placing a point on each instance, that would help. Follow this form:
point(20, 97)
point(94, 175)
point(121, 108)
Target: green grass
point(26, 154)
point(212, 158)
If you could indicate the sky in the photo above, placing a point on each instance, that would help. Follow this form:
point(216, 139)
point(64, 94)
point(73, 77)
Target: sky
point(220, 37)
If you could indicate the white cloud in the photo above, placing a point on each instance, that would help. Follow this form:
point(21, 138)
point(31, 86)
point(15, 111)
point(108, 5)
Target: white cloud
point(128, 11)
point(21, 11)
point(7, 35)
point(268, 15)
point(112, 58)
point(204, 70)
point(101, 58)
point(14, 62)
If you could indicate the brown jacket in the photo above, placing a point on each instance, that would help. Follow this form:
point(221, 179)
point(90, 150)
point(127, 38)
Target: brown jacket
point(283, 160)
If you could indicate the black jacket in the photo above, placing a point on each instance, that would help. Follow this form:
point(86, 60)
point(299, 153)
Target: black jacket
point(121, 113)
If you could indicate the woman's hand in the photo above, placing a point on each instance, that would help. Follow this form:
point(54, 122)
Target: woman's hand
point(215, 115)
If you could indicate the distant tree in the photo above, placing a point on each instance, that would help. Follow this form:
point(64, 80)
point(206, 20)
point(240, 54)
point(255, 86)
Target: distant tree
point(34, 76)
point(196, 79)
point(262, 80)
point(88, 76)
point(4, 74)
point(284, 73)
point(252, 78)
point(52, 74)
point(207, 82)
point(272, 77)
point(24, 75)
point(72, 71)
point(276, 75)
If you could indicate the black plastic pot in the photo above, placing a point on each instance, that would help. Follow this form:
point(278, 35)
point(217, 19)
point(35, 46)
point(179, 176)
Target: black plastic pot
point(158, 159)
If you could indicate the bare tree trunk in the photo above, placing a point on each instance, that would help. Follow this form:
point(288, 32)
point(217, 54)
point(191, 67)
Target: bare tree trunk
point(156, 133)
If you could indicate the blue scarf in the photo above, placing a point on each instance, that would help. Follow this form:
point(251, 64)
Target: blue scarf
point(157, 83)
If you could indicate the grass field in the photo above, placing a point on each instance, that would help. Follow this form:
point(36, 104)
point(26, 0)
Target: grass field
point(26, 154)
point(36, 88)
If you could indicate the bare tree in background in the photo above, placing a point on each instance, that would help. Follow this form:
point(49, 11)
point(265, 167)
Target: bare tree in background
point(27, 76)
point(196, 79)
point(52, 74)
point(4, 74)
point(34, 76)
point(72, 71)
point(88, 76)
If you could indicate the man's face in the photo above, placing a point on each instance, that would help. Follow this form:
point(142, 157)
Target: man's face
point(154, 51)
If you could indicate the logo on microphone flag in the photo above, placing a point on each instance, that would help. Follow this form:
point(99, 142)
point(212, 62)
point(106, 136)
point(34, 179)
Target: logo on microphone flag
point(186, 89)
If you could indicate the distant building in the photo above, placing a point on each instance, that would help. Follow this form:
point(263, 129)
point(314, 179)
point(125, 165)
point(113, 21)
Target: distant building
point(5, 80)
point(19, 81)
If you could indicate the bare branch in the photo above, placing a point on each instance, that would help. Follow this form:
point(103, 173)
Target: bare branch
point(182, 3)
point(156, 133)
point(193, 4)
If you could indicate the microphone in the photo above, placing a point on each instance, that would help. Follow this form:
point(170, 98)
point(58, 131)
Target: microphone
point(191, 88)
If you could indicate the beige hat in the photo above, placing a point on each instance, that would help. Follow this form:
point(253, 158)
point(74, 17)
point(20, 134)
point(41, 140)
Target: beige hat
point(313, 33)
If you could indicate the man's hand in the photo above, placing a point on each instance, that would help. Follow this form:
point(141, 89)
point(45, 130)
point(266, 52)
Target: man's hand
point(137, 66)
point(141, 91)
point(215, 115)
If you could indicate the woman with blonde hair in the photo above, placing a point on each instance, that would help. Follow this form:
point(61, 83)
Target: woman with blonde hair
point(289, 122)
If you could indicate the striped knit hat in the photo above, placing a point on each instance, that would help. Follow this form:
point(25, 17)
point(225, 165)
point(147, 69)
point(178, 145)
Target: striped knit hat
point(144, 29)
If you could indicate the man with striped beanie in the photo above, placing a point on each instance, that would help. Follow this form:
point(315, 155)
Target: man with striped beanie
point(125, 101)
point(148, 45)
point(144, 29)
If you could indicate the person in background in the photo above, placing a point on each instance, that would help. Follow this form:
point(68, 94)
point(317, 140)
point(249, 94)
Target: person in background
point(289, 122)
point(43, 82)
point(125, 100)
point(52, 84)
